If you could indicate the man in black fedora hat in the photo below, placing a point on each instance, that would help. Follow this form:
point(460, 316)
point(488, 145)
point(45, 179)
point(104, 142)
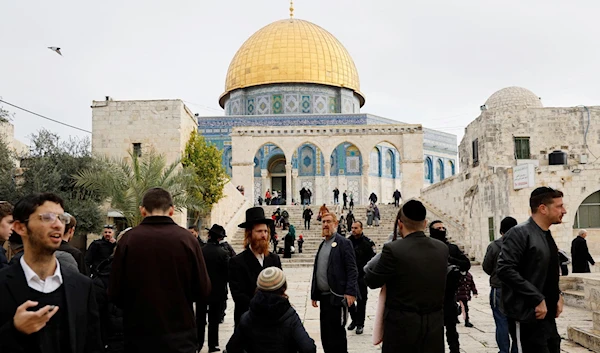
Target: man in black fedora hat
point(245, 267)
point(216, 259)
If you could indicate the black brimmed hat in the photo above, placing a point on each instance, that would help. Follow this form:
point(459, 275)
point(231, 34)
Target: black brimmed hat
point(255, 215)
point(216, 232)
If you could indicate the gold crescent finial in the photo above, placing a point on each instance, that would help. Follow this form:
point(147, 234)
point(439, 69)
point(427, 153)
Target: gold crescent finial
point(291, 9)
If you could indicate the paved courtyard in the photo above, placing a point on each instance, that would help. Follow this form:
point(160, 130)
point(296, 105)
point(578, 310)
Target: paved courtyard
point(479, 339)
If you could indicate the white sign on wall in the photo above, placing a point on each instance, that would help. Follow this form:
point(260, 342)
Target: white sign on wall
point(523, 176)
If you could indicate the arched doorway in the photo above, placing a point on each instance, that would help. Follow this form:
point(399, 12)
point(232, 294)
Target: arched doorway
point(276, 169)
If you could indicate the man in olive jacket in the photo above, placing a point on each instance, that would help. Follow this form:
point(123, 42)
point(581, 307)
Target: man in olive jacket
point(528, 268)
point(414, 271)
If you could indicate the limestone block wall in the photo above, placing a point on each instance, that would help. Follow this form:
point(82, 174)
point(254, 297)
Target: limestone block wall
point(230, 210)
point(549, 129)
point(162, 125)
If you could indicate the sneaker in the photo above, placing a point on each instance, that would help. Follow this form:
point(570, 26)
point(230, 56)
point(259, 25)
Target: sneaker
point(468, 324)
point(359, 330)
point(352, 326)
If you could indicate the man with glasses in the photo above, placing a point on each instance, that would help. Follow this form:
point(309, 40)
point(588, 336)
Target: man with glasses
point(45, 307)
point(101, 249)
point(6, 220)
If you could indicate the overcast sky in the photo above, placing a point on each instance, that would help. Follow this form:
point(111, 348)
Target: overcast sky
point(428, 62)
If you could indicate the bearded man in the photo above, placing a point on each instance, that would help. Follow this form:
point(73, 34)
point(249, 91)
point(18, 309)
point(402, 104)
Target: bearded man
point(245, 267)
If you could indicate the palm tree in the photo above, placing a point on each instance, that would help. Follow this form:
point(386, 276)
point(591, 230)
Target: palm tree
point(123, 183)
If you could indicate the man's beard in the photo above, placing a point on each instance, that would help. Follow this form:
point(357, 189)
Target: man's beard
point(37, 245)
point(260, 246)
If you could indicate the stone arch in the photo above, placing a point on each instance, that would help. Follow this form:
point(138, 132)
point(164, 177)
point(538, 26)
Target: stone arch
point(440, 169)
point(428, 170)
point(375, 162)
point(451, 167)
point(310, 159)
point(588, 212)
point(348, 161)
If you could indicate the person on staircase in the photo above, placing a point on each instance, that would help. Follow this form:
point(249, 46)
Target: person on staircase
point(323, 210)
point(370, 214)
point(350, 219)
point(373, 198)
point(290, 239)
point(363, 251)
point(285, 220)
point(307, 216)
point(268, 197)
point(300, 243)
point(336, 196)
point(397, 196)
point(245, 267)
point(345, 199)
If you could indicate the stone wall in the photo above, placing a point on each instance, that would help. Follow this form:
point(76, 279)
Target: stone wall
point(230, 210)
point(486, 190)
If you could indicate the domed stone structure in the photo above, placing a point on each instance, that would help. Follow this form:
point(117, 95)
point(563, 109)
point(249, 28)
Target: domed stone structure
point(513, 98)
point(306, 69)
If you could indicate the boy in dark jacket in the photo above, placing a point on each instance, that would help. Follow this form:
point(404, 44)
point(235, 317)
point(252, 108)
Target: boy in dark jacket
point(271, 325)
point(466, 286)
point(111, 317)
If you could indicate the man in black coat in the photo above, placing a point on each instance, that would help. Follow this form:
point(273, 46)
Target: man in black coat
point(334, 284)
point(456, 258)
point(580, 254)
point(157, 275)
point(397, 197)
point(216, 259)
point(100, 249)
point(414, 271)
point(528, 268)
point(363, 251)
point(245, 267)
point(45, 308)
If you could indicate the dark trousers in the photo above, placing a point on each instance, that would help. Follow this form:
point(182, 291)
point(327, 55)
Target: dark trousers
point(307, 224)
point(450, 313)
point(397, 202)
point(540, 336)
point(345, 205)
point(359, 309)
point(333, 331)
point(407, 332)
point(466, 306)
point(502, 336)
point(214, 311)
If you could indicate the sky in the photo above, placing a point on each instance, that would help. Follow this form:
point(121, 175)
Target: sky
point(428, 62)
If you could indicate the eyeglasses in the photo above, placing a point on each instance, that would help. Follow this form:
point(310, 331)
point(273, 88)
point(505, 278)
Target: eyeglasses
point(52, 217)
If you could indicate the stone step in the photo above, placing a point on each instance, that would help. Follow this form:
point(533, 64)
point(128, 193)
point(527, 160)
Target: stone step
point(575, 298)
point(588, 338)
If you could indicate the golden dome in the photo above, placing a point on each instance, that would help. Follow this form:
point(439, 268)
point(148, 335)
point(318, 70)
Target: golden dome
point(292, 51)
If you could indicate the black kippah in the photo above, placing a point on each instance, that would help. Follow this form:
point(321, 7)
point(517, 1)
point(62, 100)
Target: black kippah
point(414, 210)
point(541, 190)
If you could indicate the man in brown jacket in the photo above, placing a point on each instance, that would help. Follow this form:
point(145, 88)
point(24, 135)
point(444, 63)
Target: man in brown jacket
point(157, 273)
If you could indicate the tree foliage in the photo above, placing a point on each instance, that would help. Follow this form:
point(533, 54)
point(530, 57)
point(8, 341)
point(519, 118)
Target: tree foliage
point(49, 168)
point(123, 183)
point(205, 160)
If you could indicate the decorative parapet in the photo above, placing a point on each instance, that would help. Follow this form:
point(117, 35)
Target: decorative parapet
point(381, 130)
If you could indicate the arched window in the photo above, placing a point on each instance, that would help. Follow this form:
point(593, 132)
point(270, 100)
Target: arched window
point(588, 214)
point(440, 169)
point(428, 170)
point(389, 164)
point(306, 161)
point(451, 167)
point(374, 160)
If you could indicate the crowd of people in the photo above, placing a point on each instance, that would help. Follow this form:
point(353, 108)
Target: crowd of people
point(156, 288)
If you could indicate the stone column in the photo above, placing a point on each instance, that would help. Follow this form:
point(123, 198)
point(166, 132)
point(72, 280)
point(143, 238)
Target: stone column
point(295, 186)
point(264, 174)
point(288, 184)
point(366, 187)
point(412, 165)
point(327, 188)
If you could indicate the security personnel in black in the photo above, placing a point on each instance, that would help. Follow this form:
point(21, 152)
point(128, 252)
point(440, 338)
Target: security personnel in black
point(457, 262)
point(363, 249)
point(101, 249)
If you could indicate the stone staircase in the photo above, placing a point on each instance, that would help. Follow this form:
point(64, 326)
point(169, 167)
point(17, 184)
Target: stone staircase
point(312, 237)
point(583, 291)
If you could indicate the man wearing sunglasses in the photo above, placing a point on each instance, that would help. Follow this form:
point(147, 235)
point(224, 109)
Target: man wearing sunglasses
point(45, 307)
point(101, 249)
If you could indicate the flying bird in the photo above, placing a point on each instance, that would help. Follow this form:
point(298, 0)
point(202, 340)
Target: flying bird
point(56, 49)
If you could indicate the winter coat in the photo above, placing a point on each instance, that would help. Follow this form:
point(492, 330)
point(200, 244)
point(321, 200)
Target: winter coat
point(270, 326)
point(466, 285)
point(581, 256)
point(217, 260)
point(307, 214)
point(111, 317)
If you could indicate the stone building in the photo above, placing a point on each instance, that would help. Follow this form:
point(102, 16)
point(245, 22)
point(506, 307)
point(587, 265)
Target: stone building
point(294, 88)
point(507, 152)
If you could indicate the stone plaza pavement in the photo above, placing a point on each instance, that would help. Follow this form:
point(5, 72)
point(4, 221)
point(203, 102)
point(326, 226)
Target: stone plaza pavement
point(479, 339)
